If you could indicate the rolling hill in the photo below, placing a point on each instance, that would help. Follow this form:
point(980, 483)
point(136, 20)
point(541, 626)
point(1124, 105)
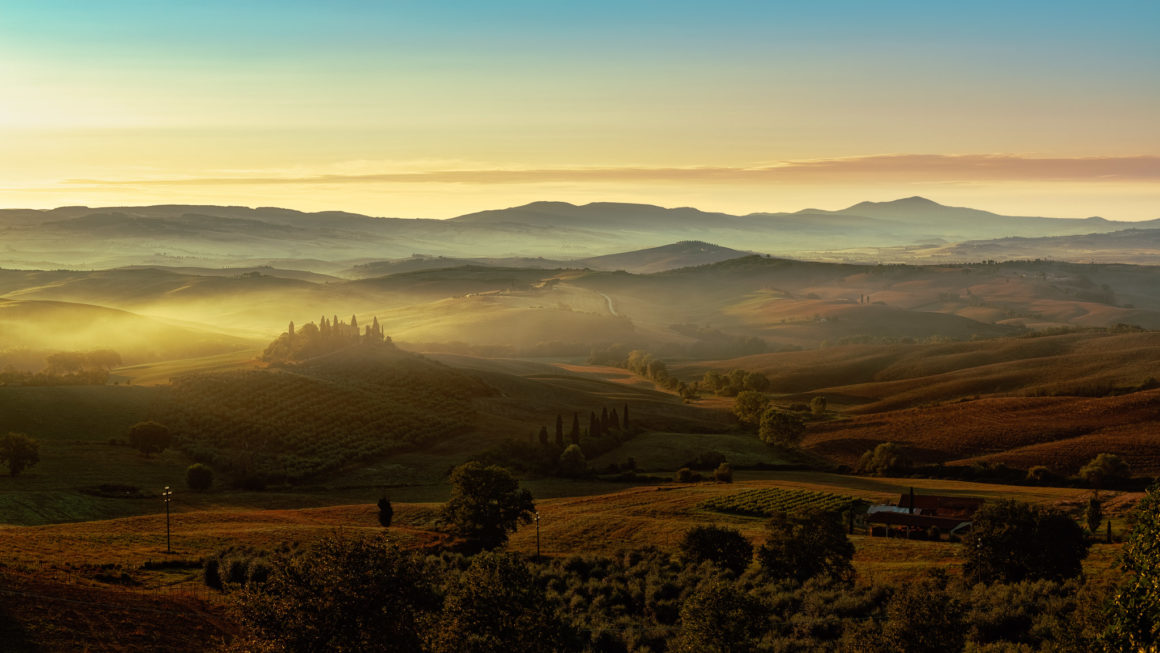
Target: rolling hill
point(329, 241)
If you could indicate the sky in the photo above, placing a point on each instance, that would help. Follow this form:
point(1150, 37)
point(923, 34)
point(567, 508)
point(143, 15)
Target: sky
point(435, 109)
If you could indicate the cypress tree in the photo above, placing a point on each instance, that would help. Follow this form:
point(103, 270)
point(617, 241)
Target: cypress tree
point(615, 419)
point(604, 419)
point(624, 417)
point(559, 431)
point(593, 425)
point(543, 435)
point(575, 429)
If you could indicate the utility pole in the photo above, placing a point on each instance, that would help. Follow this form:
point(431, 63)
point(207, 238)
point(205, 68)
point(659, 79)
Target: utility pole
point(537, 518)
point(167, 495)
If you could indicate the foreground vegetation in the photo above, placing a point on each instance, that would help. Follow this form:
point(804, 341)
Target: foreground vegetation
point(793, 593)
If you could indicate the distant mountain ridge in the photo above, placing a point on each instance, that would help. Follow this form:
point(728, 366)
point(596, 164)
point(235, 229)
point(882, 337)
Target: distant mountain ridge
point(330, 242)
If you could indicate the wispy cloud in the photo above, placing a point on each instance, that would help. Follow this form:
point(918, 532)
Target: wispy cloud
point(889, 167)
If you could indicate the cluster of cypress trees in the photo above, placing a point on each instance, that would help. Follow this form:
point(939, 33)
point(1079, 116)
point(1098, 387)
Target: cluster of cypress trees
point(327, 336)
point(597, 426)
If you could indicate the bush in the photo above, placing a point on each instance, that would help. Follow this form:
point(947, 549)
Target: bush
point(1011, 541)
point(1043, 475)
point(150, 437)
point(818, 405)
point(723, 473)
point(386, 512)
point(886, 458)
point(1105, 470)
point(198, 477)
point(706, 461)
point(212, 574)
point(573, 464)
point(726, 547)
point(686, 475)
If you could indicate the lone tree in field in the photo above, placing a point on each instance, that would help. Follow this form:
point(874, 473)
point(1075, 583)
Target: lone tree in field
point(1011, 541)
point(726, 547)
point(781, 429)
point(386, 512)
point(198, 477)
point(805, 544)
point(149, 437)
point(19, 452)
point(486, 504)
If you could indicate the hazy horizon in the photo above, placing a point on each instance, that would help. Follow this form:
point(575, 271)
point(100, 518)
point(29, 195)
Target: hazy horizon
point(432, 112)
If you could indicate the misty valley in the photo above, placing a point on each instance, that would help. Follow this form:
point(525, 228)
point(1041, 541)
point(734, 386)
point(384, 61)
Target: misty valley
point(607, 427)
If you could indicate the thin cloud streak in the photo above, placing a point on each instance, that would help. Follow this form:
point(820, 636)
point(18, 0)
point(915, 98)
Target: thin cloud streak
point(894, 167)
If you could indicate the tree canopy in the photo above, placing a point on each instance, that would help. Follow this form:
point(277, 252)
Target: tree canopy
point(781, 429)
point(149, 437)
point(1134, 614)
point(1105, 470)
point(1011, 541)
point(486, 504)
point(495, 605)
point(749, 406)
point(342, 594)
point(18, 452)
point(806, 544)
point(726, 547)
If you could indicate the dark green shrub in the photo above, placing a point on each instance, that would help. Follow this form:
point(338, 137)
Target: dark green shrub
point(198, 477)
point(726, 547)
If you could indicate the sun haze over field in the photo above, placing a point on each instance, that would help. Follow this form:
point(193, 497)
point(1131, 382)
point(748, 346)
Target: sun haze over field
point(434, 110)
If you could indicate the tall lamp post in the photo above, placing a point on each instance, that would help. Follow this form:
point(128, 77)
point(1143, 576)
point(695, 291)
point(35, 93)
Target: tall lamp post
point(167, 495)
point(536, 516)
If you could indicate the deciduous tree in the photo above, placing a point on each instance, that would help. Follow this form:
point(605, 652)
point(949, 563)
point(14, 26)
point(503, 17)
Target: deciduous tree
point(149, 437)
point(18, 452)
point(1011, 541)
point(1134, 615)
point(726, 547)
point(486, 504)
point(198, 477)
point(781, 429)
point(496, 606)
point(806, 544)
